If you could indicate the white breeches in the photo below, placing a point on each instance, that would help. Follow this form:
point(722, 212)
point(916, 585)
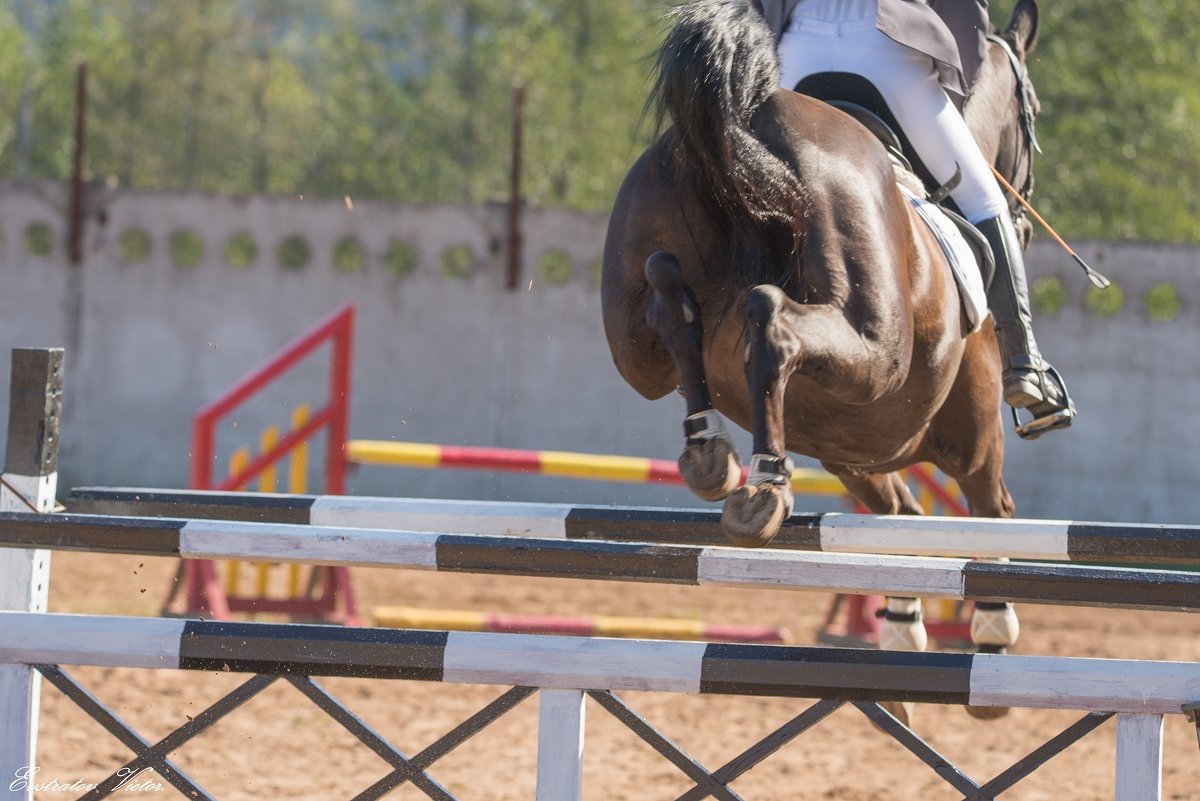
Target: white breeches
point(908, 83)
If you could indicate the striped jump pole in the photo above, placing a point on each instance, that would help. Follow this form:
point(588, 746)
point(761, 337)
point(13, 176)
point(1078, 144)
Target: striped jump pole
point(566, 669)
point(585, 663)
point(562, 464)
point(900, 576)
point(1050, 540)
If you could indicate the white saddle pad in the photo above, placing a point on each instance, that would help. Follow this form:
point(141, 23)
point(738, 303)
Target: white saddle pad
point(958, 254)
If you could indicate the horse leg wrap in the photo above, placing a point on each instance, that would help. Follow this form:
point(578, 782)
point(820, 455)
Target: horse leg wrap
point(994, 627)
point(705, 426)
point(903, 626)
point(766, 468)
point(709, 464)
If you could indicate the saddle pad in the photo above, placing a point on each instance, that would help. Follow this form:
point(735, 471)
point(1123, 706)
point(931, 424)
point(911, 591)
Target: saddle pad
point(959, 255)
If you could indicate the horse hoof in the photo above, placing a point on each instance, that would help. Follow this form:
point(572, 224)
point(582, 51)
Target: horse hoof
point(903, 711)
point(711, 468)
point(753, 514)
point(987, 712)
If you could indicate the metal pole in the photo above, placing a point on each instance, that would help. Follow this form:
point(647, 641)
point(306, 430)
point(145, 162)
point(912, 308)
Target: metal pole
point(515, 201)
point(75, 232)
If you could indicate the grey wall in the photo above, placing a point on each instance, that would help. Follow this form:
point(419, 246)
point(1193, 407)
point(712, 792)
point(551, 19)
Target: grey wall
point(453, 360)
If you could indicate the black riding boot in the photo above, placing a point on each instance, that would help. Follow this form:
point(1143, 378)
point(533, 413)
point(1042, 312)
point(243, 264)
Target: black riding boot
point(1029, 381)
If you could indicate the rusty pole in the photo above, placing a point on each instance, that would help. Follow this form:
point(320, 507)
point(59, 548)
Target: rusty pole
point(75, 219)
point(515, 201)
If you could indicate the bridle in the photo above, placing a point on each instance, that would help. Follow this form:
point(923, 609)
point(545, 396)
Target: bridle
point(1027, 144)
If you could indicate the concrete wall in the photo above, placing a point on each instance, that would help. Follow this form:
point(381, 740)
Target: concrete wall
point(461, 360)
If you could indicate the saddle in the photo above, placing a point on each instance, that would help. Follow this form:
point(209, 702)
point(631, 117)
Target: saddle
point(857, 97)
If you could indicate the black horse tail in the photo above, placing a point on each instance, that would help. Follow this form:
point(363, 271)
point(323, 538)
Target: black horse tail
point(715, 68)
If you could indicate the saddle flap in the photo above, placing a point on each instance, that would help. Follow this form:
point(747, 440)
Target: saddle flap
point(968, 263)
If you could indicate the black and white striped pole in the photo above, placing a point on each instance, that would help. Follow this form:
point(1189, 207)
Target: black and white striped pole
point(27, 484)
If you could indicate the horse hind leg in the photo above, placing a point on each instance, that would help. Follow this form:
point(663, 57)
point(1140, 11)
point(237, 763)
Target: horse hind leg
point(784, 337)
point(754, 513)
point(709, 463)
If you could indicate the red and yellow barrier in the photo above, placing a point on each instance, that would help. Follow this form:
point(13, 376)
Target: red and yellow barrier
point(563, 464)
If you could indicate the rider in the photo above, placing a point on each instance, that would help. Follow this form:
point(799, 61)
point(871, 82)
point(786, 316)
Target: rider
point(908, 51)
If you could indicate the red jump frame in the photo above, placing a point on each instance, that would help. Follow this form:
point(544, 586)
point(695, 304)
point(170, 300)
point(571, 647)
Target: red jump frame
point(203, 593)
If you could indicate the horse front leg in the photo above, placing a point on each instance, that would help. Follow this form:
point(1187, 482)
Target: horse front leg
point(972, 453)
point(709, 463)
point(903, 619)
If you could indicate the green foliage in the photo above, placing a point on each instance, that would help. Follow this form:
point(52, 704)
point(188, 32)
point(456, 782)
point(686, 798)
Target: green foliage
point(1120, 106)
point(348, 255)
point(1048, 295)
point(458, 262)
point(401, 258)
point(554, 267)
point(325, 98)
point(1162, 303)
point(1105, 302)
point(39, 239)
point(241, 250)
point(134, 245)
point(293, 253)
point(187, 248)
point(413, 100)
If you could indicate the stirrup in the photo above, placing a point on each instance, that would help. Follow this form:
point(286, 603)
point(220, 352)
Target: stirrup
point(1058, 416)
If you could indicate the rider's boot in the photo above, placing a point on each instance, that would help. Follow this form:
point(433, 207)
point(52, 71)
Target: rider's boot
point(1029, 381)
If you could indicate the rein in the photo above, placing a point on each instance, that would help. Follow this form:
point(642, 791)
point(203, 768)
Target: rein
point(1025, 105)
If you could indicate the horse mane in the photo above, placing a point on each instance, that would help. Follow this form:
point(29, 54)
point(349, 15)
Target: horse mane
point(716, 67)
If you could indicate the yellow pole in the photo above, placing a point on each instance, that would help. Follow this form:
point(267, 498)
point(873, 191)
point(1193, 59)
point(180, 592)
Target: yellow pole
point(266, 483)
point(237, 463)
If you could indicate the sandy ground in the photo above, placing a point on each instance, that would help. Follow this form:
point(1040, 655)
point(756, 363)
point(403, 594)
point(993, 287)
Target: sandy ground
point(280, 746)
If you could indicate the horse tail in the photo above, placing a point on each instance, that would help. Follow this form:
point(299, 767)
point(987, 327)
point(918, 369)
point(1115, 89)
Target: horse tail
point(716, 66)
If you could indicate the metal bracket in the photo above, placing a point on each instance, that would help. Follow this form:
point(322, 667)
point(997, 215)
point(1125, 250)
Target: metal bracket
point(1193, 714)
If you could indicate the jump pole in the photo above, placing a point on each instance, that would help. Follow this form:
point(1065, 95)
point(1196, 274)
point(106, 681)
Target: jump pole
point(28, 484)
point(903, 576)
point(909, 535)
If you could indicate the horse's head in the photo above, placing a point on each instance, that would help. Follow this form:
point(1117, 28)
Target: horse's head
point(1003, 108)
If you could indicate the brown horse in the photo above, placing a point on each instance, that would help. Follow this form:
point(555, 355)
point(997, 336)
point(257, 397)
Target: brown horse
point(761, 259)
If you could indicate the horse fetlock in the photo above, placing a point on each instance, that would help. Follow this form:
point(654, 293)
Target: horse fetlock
point(903, 626)
point(994, 627)
point(709, 464)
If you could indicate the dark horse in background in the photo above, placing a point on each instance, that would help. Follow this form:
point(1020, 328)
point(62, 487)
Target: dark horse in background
point(761, 259)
